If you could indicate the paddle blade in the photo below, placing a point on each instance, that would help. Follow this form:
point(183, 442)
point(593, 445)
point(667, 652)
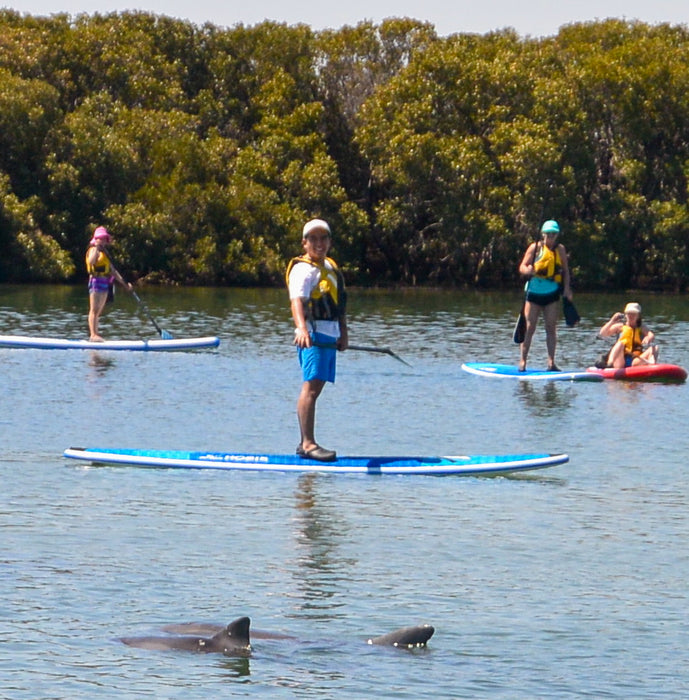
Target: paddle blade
point(165, 335)
point(519, 328)
point(397, 357)
point(385, 351)
point(571, 314)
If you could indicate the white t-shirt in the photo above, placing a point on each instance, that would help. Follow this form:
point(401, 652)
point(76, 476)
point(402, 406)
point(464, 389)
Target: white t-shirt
point(303, 278)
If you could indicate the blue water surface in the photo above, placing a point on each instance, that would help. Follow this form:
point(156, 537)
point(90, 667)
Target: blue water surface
point(566, 583)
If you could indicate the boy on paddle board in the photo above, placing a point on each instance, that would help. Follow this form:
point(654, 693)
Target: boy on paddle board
point(102, 276)
point(546, 266)
point(634, 345)
point(318, 303)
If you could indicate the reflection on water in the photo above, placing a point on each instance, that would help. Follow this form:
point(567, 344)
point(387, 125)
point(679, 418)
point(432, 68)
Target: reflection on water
point(545, 398)
point(317, 531)
point(237, 667)
point(100, 362)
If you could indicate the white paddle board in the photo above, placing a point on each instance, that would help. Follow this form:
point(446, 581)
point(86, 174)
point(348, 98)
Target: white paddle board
point(24, 341)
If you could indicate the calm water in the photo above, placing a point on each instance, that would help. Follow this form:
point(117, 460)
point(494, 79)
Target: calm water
point(567, 583)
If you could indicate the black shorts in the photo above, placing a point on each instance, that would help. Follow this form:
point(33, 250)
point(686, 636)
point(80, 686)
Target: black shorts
point(543, 299)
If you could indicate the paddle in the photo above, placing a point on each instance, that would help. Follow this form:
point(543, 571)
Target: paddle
point(570, 312)
point(366, 348)
point(385, 351)
point(520, 327)
point(163, 334)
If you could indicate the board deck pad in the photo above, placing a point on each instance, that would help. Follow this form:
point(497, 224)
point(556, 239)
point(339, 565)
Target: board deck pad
point(490, 369)
point(23, 341)
point(476, 465)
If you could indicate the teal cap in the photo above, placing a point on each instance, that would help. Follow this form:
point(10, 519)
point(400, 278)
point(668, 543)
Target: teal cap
point(550, 226)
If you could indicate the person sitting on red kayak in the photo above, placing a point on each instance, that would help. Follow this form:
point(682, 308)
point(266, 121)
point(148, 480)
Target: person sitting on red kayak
point(634, 344)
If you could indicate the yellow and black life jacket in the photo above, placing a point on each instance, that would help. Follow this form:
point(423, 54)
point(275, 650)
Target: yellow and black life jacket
point(328, 300)
point(102, 266)
point(631, 337)
point(548, 264)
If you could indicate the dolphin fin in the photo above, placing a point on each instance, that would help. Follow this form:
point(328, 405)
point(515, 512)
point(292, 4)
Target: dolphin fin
point(406, 637)
point(235, 637)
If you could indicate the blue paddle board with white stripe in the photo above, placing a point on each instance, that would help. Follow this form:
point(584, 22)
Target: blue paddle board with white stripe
point(477, 465)
point(488, 369)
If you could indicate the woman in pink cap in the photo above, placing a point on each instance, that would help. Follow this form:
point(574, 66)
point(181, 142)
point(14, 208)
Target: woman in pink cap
point(102, 276)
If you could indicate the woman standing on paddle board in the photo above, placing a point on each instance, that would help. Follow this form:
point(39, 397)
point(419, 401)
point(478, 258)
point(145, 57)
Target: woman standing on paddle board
point(102, 276)
point(318, 303)
point(629, 349)
point(547, 269)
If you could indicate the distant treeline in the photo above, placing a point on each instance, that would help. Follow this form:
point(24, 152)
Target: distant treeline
point(203, 150)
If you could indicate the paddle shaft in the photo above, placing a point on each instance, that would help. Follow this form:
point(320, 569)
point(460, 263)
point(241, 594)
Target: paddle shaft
point(366, 348)
point(385, 351)
point(148, 313)
point(163, 334)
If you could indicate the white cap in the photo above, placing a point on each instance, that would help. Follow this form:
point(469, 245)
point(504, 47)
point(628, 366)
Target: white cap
point(632, 308)
point(314, 225)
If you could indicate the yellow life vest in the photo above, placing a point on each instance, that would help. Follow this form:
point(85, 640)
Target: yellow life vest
point(631, 337)
point(328, 298)
point(548, 264)
point(102, 266)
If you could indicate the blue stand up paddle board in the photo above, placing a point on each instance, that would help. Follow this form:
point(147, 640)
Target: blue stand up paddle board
point(477, 465)
point(487, 369)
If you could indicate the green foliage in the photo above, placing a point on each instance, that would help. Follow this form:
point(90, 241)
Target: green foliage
point(29, 254)
point(204, 150)
point(28, 111)
point(442, 135)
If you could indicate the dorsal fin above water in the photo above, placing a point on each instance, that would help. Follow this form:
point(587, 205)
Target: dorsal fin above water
point(235, 636)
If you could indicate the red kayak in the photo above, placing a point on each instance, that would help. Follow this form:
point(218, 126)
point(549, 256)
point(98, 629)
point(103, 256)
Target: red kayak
point(643, 373)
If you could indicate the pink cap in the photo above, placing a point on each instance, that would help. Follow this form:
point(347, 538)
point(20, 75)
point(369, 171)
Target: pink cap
point(100, 234)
